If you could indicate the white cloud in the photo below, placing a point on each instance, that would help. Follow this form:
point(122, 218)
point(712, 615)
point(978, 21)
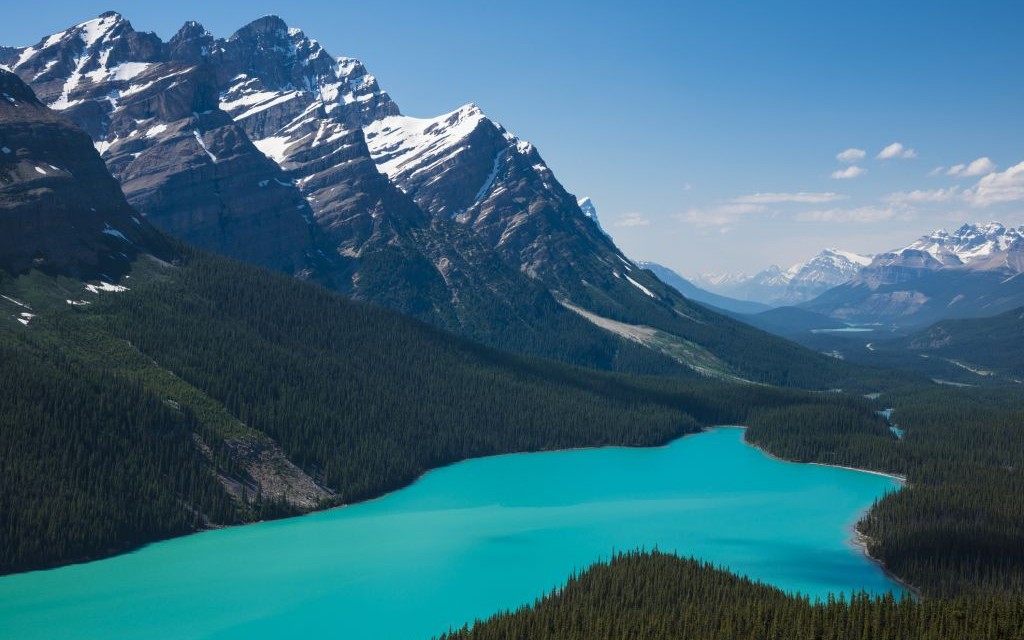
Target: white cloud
point(851, 155)
point(896, 150)
point(936, 171)
point(739, 208)
point(849, 172)
point(997, 187)
point(979, 167)
point(632, 220)
point(855, 214)
point(722, 216)
point(802, 197)
point(925, 195)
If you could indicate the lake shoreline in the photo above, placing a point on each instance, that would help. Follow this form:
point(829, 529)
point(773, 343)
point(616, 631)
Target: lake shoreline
point(858, 539)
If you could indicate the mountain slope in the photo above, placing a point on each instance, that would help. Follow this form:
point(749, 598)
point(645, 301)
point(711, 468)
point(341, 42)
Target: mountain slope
point(790, 322)
point(465, 167)
point(972, 272)
point(976, 344)
point(46, 163)
point(693, 292)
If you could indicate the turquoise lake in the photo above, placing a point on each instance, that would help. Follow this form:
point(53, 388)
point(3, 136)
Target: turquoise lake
point(466, 541)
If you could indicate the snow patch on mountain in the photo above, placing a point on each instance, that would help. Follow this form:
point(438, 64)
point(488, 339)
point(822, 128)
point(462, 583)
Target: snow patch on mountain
point(800, 282)
point(402, 145)
point(966, 244)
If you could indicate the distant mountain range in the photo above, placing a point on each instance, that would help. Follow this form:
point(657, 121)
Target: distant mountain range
point(263, 147)
point(971, 272)
point(693, 292)
point(801, 282)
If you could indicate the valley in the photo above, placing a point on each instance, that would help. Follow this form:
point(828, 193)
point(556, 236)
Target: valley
point(278, 357)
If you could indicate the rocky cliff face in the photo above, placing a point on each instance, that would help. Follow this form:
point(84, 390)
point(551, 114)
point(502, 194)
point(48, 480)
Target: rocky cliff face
point(183, 163)
point(60, 210)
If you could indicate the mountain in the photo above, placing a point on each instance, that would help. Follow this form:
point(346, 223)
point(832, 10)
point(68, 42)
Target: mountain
point(46, 163)
point(181, 124)
point(803, 281)
point(299, 161)
point(589, 210)
point(693, 292)
point(971, 272)
point(828, 269)
point(180, 160)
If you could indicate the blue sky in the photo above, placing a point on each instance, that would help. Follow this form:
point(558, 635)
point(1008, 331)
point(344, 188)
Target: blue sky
point(706, 133)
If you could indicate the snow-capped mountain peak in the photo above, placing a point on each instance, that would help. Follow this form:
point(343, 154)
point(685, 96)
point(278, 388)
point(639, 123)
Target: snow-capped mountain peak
point(969, 271)
point(590, 211)
point(800, 282)
point(66, 65)
point(855, 258)
point(967, 244)
point(587, 207)
point(403, 145)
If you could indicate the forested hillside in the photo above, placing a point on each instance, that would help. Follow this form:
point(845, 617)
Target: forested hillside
point(958, 527)
point(661, 597)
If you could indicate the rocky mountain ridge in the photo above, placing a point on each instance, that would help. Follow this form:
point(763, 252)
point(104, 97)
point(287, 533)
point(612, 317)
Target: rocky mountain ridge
point(801, 282)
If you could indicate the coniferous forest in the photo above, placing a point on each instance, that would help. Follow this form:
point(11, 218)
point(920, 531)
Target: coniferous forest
point(655, 596)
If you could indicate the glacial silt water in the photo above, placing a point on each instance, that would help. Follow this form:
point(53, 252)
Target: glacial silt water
point(464, 542)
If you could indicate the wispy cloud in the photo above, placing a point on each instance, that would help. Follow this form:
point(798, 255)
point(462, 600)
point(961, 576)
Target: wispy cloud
point(979, 167)
point(632, 220)
point(849, 172)
point(858, 215)
point(721, 216)
point(998, 187)
point(803, 197)
point(923, 195)
point(896, 150)
point(851, 155)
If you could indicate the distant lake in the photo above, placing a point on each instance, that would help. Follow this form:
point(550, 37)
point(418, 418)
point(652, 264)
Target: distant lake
point(467, 541)
point(844, 330)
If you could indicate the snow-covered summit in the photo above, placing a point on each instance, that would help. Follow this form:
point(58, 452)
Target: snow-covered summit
point(588, 208)
point(966, 244)
point(973, 247)
point(65, 66)
point(798, 283)
point(402, 145)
